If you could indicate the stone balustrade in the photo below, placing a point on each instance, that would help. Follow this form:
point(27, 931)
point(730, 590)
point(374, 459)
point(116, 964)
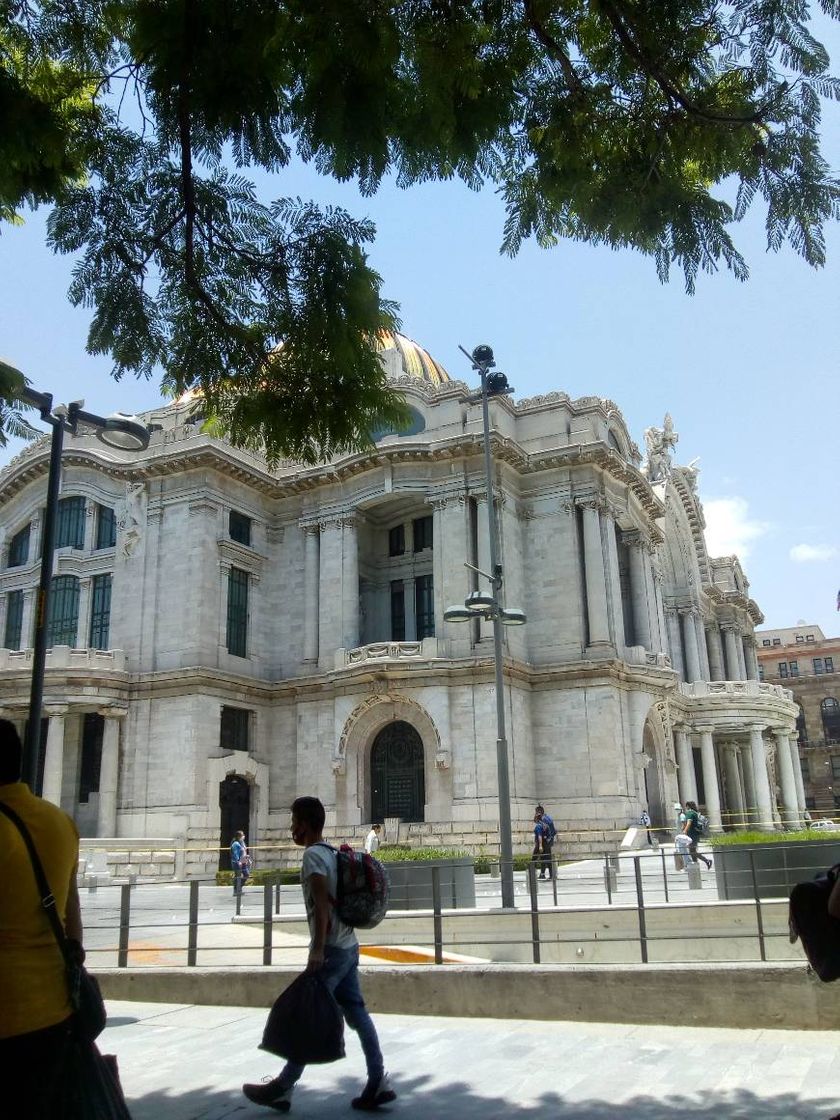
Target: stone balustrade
point(64, 657)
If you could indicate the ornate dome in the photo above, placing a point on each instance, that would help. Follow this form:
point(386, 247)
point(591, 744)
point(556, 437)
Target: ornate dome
point(402, 355)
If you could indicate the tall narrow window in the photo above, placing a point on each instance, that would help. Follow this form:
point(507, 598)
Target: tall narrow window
point(818, 665)
point(793, 667)
point(70, 527)
point(397, 611)
point(106, 527)
point(239, 527)
point(19, 547)
point(93, 730)
point(829, 664)
point(396, 540)
point(237, 613)
point(422, 533)
point(100, 612)
point(14, 619)
point(234, 729)
point(424, 607)
point(783, 669)
point(63, 614)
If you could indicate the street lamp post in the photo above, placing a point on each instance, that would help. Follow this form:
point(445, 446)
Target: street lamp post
point(478, 604)
point(119, 431)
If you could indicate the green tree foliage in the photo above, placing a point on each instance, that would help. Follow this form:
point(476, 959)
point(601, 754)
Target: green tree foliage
point(622, 122)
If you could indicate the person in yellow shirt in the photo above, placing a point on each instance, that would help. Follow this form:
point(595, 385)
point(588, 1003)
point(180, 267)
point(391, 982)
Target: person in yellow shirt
point(35, 1012)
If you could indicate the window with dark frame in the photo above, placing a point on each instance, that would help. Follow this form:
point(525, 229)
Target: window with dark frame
point(237, 613)
point(783, 669)
point(423, 533)
point(396, 541)
point(828, 662)
point(817, 662)
point(809, 637)
point(63, 613)
point(14, 620)
point(397, 610)
point(835, 767)
point(234, 729)
point(765, 642)
point(70, 523)
point(239, 527)
point(19, 547)
point(793, 666)
point(93, 730)
point(106, 527)
point(100, 611)
point(424, 607)
point(777, 641)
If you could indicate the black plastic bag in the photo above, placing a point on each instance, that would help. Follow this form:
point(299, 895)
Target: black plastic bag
point(305, 1024)
point(92, 1089)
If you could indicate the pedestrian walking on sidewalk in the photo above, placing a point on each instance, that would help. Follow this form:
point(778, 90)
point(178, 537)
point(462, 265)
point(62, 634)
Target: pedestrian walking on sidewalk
point(334, 957)
point(691, 828)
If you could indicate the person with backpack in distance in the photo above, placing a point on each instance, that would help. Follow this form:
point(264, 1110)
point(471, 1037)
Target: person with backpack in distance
point(694, 827)
point(548, 834)
point(334, 957)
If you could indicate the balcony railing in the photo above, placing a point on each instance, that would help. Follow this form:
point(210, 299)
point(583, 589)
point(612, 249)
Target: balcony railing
point(64, 657)
point(699, 689)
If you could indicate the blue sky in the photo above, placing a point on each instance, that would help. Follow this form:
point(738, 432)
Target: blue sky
point(749, 372)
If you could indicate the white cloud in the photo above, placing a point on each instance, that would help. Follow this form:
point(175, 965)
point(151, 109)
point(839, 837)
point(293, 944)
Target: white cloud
point(803, 553)
point(729, 528)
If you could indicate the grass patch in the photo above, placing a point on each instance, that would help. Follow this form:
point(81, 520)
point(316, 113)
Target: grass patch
point(258, 878)
point(403, 853)
point(728, 839)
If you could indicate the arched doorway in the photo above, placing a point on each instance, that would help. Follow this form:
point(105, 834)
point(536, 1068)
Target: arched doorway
point(397, 777)
point(235, 813)
point(652, 783)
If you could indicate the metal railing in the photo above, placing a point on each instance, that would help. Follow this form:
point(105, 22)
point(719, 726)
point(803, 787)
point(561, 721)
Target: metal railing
point(624, 908)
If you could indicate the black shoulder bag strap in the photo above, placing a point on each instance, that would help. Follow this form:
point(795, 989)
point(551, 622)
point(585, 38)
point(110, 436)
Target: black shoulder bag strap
point(47, 897)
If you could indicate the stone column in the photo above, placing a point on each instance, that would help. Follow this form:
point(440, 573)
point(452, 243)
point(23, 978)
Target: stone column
point(674, 642)
point(109, 775)
point(692, 651)
point(614, 583)
point(715, 648)
point(638, 591)
point(596, 581)
point(750, 659)
point(90, 525)
point(739, 649)
point(350, 582)
point(746, 770)
point(27, 620)
point(83, 624)
point(730, 645)
point(438, 507)
point(710, 778)
point(787, 780)
point(36, 533)
point(734, 792)
point(685, 766)
point(660, 635)
point(761, 780)
point(705, 669)
point(330, 598)
point(54, 759)
point(311, 566)
point(797, 773)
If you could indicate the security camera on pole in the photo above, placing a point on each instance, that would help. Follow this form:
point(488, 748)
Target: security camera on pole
point(480, 604)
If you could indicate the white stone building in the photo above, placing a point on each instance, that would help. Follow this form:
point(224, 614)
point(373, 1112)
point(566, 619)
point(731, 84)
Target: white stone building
point(225, 636)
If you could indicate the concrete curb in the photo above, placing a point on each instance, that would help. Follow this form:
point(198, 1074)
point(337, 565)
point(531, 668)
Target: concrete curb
point(777, 996)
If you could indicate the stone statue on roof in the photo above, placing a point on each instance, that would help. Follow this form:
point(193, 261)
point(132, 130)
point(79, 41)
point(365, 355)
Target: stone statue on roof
point(659, 442)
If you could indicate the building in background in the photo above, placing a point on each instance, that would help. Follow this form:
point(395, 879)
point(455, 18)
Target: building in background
point(802, 659)
point(225, 635)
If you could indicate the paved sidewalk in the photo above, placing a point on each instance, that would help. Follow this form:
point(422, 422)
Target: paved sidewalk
point(187, 1063)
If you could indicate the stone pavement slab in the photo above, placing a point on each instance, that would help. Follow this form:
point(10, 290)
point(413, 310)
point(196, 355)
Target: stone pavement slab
point(187, 1063)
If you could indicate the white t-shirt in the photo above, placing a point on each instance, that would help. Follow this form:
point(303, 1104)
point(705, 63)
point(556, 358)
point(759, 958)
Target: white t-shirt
point(372, 841)
point(321, 860)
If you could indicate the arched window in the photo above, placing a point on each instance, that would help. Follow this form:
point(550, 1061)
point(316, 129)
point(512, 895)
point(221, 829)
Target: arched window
point(63, 614)
point(830, 710)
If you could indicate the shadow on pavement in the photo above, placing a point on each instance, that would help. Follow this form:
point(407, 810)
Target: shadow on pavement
point(458, 1100)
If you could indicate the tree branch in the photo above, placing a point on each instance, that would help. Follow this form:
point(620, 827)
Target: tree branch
point(554, 49)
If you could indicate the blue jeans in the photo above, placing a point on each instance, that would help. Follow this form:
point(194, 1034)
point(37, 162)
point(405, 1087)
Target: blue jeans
point(341, 976)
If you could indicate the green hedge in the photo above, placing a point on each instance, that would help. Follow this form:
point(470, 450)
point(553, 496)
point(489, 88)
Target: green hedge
point(727, 839)
point(262, 876)
point(403, 853)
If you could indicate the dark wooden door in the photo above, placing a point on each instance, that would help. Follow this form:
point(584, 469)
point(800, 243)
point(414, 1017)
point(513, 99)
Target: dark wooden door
point(398, 784)
point(235, 806)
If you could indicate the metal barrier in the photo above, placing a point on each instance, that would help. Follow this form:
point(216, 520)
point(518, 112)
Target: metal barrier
point(588, 890)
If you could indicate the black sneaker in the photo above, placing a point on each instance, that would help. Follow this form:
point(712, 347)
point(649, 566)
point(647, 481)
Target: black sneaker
point(374, 1094)
point(272, 1093)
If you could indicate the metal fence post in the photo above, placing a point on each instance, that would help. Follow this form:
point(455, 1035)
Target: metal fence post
point(554, 878)
point(267, 923)
point(192, 929)
point(759, 917)
point(438, 922)
point(125, 925)
point(610, 880)
point(533, 890)
point(640, 902)
point(664, 874)
point(277, 897)
point(237, 890)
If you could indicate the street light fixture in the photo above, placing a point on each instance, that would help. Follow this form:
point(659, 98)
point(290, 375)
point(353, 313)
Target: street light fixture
point(120, 431)
point(479, 604)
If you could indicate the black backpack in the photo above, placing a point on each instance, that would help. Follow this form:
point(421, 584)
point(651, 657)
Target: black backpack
point(810, 921)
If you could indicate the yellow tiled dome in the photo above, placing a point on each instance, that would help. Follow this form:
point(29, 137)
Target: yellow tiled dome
point(414, 359)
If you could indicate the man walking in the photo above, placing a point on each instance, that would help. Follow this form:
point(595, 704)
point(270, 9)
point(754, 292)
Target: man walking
point(548, 833)
point(334, 956)
point(691, 828)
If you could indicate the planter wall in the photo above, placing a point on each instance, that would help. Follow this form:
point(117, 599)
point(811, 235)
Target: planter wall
point(411, 884)
point(778, 867)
